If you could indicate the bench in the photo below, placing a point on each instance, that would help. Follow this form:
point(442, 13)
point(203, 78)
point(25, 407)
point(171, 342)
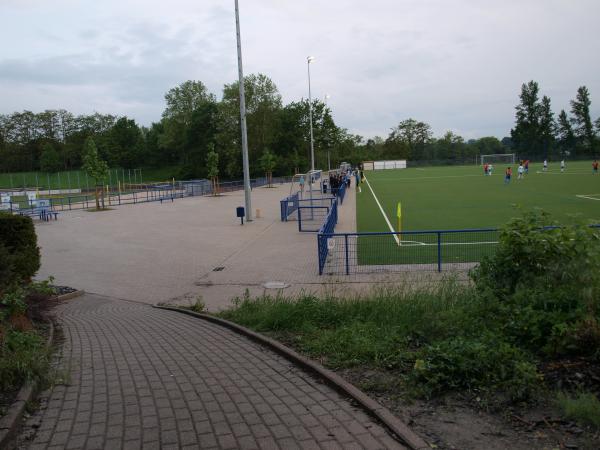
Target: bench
point(42, 213)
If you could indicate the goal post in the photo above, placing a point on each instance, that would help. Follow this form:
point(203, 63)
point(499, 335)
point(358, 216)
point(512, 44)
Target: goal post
point(498, 158)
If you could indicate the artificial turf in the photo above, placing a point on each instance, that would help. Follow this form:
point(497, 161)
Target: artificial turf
point(462, 197)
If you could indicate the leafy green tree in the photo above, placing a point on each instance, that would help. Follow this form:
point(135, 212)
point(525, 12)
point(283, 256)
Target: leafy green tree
point(267, 162)
point(583, 128)
point(526, 135)
point(263, 105)
point(96, 168)
point(413, 136)
point(125, 144)
point(49, 160)
point(212, 164)
point(547, 124)
point(564, 134)
point(182, 101)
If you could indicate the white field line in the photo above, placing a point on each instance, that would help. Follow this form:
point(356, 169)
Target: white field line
point(383, 213)
point(558, 172)
point(417, 243)
point(589, 196)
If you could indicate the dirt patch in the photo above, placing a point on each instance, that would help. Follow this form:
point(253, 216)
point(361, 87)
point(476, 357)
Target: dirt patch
point(471, 422)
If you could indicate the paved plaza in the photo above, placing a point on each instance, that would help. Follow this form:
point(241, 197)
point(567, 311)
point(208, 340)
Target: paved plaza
point(140, 377)
point(167, 253)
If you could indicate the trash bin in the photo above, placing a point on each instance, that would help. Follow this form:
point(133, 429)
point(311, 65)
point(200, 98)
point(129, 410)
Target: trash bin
point(241, 213)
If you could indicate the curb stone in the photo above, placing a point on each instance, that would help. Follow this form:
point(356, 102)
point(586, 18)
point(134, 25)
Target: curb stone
point(71, 295)
point(395, 425)
point(10, 424)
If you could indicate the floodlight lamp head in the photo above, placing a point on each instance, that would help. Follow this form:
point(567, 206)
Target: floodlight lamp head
point(310, 59)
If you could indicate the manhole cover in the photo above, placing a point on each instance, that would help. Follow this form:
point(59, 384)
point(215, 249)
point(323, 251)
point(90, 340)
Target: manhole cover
point(275, 285)
point(218, 269)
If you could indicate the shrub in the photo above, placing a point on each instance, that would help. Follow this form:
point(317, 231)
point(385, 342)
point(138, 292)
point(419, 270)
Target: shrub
point(6, 268)
point(17, 236)
point(474, 363)
point(546, 281)
point(584, 408)
point(529, 253)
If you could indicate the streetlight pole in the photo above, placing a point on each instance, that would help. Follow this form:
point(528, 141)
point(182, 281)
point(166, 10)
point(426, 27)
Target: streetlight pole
point(248, 200)
point(312, 144)
point(327, 96)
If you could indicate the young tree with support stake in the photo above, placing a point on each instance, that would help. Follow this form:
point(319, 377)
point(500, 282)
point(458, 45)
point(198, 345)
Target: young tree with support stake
point(212, 163)
point(96, 168)
point(267, 162)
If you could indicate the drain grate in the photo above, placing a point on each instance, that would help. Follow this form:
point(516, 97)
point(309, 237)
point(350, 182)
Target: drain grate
point(218, 269)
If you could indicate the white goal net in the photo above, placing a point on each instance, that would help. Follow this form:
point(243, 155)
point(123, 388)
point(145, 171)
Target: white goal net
point(498, 158)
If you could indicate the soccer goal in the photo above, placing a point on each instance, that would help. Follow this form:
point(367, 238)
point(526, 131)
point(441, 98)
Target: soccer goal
point(498, 158)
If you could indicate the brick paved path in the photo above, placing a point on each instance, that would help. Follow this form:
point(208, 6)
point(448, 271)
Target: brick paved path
point(146, 378)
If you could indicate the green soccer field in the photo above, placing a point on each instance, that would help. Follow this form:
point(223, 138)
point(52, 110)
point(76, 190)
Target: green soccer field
point(449, 198)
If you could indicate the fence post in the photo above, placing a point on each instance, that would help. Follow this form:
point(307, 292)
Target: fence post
point(319, 252)
point(299, 219)
point(347, 255)
point(439, 246)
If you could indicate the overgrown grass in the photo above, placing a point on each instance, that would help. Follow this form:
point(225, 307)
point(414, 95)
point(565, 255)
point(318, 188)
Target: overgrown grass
point(584, 408)
point(537, 298)
point(439, 338)
point(23, 357)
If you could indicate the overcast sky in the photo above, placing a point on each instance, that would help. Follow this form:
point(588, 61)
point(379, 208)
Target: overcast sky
point(455, 64)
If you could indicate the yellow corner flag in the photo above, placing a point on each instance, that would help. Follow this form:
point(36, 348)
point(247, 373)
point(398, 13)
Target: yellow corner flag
point(399, 214)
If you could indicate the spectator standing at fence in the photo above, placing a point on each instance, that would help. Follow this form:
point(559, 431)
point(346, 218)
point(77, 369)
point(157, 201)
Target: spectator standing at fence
point(595, 167)
point(301, 182)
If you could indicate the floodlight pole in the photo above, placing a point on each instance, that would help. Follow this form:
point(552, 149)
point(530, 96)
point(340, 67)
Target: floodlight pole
point(329, 144)
point(247, 195)
point(312, 144)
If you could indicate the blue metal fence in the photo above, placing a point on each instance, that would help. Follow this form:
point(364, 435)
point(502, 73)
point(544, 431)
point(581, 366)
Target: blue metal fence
point(352, 253)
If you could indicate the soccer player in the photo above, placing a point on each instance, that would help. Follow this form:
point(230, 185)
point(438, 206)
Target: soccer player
point(545, 165)
point(485, 169)
point(301, 182)
point(562, 165)
point(507, 175)
point(526, 167)
point(490, 169)
point(595, 167)
point(520, 170)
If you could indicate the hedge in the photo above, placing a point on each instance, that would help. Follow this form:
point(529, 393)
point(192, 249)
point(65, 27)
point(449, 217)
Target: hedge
point(19, 253)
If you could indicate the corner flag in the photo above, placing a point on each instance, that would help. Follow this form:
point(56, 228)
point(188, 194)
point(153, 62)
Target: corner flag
point(399, 214)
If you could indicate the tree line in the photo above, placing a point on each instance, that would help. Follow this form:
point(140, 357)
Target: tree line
point(195, 124)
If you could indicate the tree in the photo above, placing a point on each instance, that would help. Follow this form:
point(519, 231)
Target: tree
point(547, 124)
point(564, 134)
point(413, 136)
point(49, 160)
point(212, 164)
point(267, 162)
point(526, 135)
point(263, 105)
point(125, 143)
point(583, 128)
point(95, 167)
point(184, 99)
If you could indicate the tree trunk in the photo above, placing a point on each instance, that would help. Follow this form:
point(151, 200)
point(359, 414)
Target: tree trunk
point(97, 198)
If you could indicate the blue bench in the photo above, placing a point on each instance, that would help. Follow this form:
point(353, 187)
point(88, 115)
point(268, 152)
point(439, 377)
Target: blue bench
point(42, 213)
